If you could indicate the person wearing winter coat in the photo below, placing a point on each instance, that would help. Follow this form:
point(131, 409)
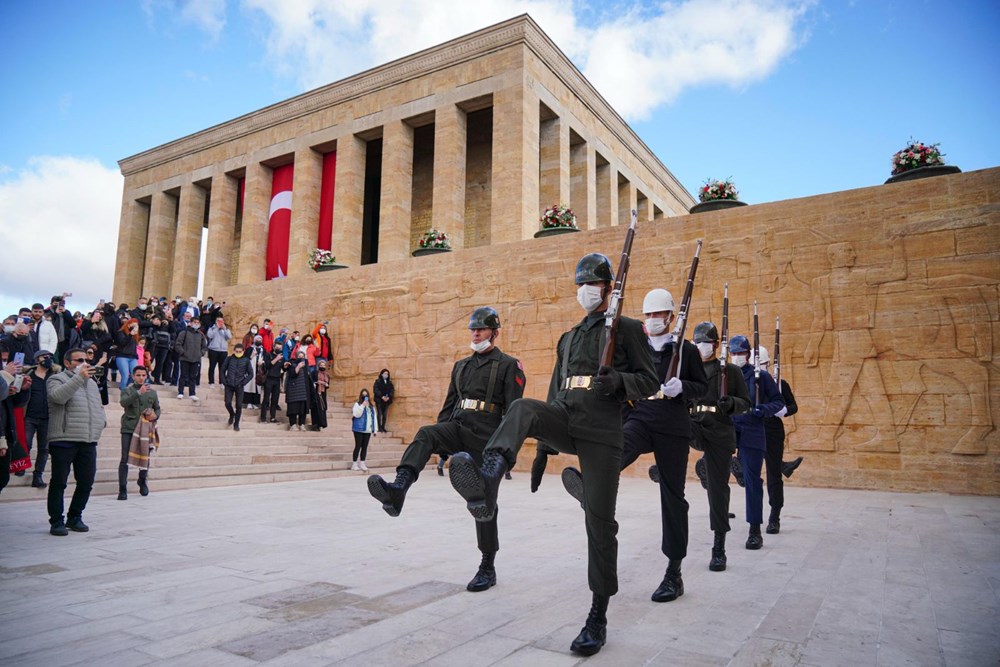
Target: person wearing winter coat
point(126, 356)
point(363, 424)
point(251, 391)
point(237, 369)
point(219, 336)
point(297, 390)
point(190, 345)
point(384, 392)
point(136, 399)
point(272, 364)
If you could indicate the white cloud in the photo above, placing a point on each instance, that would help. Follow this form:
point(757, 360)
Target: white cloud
point(638, 58)
point(208, 15)
point(59, 221)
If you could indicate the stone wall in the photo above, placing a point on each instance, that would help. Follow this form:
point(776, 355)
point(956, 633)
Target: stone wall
point(888, 298)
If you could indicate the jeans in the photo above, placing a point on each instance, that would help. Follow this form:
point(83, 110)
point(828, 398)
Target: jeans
point(39, 427)
point(82, 456)
point(237, 393)
point(125, 366)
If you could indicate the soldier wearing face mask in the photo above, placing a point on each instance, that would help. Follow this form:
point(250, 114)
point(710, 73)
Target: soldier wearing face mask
point(483, 386)
point(582, 416)
point(661, 424)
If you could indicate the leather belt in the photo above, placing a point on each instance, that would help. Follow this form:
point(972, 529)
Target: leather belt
point(578, 382)
point(479, 406)
point(705, 408)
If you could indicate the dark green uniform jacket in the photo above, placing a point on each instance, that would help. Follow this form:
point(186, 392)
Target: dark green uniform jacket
point(591, 416)
point(470, 379)
point(715, 429)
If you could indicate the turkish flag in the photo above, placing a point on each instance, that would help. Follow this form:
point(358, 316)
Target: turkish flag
point(279, 224)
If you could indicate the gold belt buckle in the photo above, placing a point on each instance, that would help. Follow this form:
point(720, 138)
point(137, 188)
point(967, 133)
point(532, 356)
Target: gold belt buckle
point(579, 382)
point(705, 408)
point(657, 396)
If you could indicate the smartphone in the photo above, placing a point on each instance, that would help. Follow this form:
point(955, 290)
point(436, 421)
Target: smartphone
point(19, 358)
point(18, 381)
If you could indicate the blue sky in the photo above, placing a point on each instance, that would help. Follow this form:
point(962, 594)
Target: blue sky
point(789, 98)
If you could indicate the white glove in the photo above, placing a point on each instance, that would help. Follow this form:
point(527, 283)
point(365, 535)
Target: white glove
point(782, 412)
point(672, 388)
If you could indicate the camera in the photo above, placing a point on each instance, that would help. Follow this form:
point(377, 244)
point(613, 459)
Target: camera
point(98, 372)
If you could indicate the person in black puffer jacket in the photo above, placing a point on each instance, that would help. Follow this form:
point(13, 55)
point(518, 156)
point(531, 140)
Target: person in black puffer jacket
point(297, 390)
point(273, 362)
point(237, 370)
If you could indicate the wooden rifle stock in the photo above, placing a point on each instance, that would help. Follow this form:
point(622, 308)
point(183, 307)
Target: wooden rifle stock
point(613, 315)
point(674, 366)
point(724, 345)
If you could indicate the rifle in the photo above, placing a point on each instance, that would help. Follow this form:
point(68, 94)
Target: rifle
point(613, 315)
point(756, 356)
point(674, 367)
point(724, 344)
point(777, 352)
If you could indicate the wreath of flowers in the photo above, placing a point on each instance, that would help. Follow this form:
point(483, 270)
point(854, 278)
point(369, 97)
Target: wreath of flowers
point(319, 257)
point(715, 190)
point(558, 215)
point(435, 239)
point(915, 155)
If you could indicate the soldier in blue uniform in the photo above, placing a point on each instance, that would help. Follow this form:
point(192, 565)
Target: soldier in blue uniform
point(750, 436)
point(483, 386)
point(661, 424)
point(582, 416)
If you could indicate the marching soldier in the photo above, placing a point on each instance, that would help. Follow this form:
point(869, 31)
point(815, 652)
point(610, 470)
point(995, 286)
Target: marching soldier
point(750, 434)
point(483, 386)
point(661, 424)
point(774, 433)
point(582, 416)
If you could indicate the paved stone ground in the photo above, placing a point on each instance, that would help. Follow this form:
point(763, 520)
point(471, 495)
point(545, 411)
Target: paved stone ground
point(314, 573)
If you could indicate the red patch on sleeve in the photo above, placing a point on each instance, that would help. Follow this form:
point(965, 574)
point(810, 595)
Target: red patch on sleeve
point(519, 380)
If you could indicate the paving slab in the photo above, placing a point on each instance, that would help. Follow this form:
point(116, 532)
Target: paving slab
point(315, 573)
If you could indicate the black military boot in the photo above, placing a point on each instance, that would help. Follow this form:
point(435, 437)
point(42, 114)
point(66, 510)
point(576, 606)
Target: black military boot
point(672, 586)
point(122, 481)
point(143, 487)
point(440, 467)
point(718, 562)
point(701, 470)
point(654, 474)
point(478, 486)
point(788, 467)
point(595, 632)
point(736, 466)
point(774, 522)
point(486, 577)
point(391, 495)
point(573, 483)
point(754, 540)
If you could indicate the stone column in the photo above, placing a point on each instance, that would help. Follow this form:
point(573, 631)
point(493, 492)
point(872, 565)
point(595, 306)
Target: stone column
point(221, 232)
point(554, 169)
point(583, 185)
point(644, 209)
point(306, 183)
point(349, 200)
point(607, 196)
point(515, 165)
point(131, 257)
point(626, 202)
point(187, 248)
point(397, 191)
point(448, 199)
point(253, 237)
point(160, 245)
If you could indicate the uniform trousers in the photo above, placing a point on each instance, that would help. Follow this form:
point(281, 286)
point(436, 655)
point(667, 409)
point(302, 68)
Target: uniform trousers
point(447, 438)
point(671, 454)
point(718, 465)
point(600, 465)
point(82, 457)
point(753, 461)
point(772, 464)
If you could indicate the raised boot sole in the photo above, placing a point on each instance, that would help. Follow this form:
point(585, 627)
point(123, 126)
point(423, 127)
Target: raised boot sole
point(466, 479)
point(376, 487)
point(572, 481)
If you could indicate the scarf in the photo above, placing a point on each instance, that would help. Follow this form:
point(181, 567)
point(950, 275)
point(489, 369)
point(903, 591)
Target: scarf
point(145, 440)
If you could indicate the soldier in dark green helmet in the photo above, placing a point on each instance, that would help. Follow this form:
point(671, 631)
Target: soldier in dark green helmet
point(482, 388)
point(582, 416)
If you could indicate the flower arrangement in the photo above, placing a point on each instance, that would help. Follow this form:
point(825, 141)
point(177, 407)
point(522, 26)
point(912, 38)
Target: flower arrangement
point(319, 257)
point(714, 190)
point(558, 215)
point(916, 155)
point(435, 239)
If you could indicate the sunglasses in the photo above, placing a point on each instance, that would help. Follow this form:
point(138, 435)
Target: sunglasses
point(78, 360)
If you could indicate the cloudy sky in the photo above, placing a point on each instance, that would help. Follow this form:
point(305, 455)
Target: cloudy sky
point(790, 98)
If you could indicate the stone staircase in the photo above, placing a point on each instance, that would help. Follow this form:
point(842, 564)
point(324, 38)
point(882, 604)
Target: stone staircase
point(199, 449)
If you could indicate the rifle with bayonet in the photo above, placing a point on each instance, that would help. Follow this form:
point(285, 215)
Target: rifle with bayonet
point(724, 345)
point(756, 356)
point(776, 364)
point(674, 366)
point(613, 315)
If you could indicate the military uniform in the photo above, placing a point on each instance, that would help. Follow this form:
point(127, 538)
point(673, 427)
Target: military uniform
point(752, 442)
point(576, 419)
point(774, 434)
point(662, 426)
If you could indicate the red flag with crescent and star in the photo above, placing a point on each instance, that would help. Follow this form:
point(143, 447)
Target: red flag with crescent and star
point(279, 223)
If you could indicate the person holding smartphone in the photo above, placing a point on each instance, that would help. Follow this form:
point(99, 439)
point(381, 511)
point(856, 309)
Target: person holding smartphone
point(137, 399)
point(363, 424)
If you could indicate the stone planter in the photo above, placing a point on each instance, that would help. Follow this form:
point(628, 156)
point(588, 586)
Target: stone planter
point(420, 252)
point(716, 205)
point(925, 172)
point(555, 231)
point(329, 267)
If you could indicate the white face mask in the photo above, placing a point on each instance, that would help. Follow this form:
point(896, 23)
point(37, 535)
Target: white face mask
point(323, 331)
point(655, 326)
point(705, 349)
point(481, 346)
point(142, 306)
point(740, 360)
point(589, 297)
